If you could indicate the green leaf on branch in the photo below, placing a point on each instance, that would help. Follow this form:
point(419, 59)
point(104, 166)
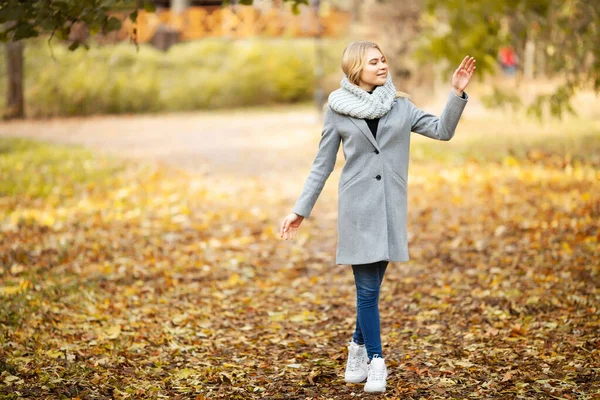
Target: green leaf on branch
point(24, 31)
point(62, 33)
point(113, 24)
point(8, 13)
point(73, 46)
point(94, 28)
point(149, 6)
point(296, 5)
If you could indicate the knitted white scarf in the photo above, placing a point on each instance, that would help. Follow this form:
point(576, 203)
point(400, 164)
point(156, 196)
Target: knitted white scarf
point(352, 100)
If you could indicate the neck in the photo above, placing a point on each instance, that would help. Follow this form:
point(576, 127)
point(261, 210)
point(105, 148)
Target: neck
point(366, 86)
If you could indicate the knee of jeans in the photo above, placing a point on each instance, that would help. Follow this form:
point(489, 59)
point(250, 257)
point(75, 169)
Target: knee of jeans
point(366, 294)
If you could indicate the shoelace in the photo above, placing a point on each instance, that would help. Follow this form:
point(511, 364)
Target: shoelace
point(377, 374)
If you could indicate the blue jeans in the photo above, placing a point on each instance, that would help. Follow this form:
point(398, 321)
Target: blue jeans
point(368, 278)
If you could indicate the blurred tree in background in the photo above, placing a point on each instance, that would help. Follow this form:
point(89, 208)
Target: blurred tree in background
point(27, 19)
point(395, 25)
point(553, 38)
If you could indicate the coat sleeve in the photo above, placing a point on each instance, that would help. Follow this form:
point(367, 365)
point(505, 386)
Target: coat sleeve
point(322, 166)
point(441, 128)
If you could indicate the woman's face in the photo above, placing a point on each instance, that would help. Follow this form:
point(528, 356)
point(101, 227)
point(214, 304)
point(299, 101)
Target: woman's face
point(374, 73)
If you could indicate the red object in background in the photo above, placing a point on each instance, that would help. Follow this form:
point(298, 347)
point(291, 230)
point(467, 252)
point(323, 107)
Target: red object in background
point(507, 56)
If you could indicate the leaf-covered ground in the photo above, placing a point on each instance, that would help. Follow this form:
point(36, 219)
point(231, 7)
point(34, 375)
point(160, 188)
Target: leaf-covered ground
point(123, 279)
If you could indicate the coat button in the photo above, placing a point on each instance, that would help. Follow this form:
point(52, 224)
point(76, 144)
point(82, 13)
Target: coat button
point(376, 151)
point(378, 177)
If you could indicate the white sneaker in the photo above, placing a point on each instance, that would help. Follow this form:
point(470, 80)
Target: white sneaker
point(357, 365)
point(377, 375)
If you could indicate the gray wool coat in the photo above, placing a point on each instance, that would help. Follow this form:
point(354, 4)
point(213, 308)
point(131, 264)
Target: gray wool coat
point(372, 190)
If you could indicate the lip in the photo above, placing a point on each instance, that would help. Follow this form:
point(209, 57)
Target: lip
point(384, 74)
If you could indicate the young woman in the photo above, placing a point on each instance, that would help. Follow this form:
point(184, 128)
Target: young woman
point(374, 126)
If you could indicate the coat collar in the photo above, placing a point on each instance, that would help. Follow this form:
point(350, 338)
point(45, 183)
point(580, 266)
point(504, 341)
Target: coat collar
point(361, 124)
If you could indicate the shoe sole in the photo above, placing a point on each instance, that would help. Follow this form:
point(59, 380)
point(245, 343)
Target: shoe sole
point(355, 380)
point(374, 391)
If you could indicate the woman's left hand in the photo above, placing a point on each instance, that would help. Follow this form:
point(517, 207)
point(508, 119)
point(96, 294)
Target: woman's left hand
point(463, 75)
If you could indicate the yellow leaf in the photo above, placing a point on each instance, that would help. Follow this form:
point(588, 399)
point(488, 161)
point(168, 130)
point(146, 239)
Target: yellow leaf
point(304, 316)
point(178, 319)
point(16, 269)
point(136, 346)
point(447, 382)
point(130, 291)
point(464, 363)
point(47, 220)
point(9, 290)
point(113, 332)
point(277, 316)
point(234, 279)
point(24, 360)
point(185, 373)
point(586, 196)
point(55, 354)
point(12, 378)
point(511, 161)
point(24, 284)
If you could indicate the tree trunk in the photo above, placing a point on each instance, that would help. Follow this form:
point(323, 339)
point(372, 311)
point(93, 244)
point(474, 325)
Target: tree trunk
point(319, 70)
point(179, 6)
point(541, 60)
point(529, 67)
point(14, 90)
point(356, 11)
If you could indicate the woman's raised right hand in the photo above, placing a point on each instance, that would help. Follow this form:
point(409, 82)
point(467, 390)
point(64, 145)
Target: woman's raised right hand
point(289, 225)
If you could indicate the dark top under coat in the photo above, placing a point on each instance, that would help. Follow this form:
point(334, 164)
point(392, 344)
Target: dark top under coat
point(372, 122)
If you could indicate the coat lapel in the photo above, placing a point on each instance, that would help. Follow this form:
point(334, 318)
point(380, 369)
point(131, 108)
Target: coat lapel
point(381, 123)
point(361, 124)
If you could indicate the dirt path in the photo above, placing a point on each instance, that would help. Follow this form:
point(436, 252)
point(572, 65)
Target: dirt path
point(254, 143)
point(258, 142)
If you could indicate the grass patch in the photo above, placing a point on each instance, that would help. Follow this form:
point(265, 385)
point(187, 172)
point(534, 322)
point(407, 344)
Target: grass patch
point(576, 141)
point(43, 170)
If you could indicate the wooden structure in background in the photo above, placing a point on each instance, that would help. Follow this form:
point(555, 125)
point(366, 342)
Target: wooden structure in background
point(236, 21)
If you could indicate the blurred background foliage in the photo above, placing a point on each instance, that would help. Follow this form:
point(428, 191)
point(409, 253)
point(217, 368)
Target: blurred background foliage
point(555, 40)
point(210, 73)
point(221, 54)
